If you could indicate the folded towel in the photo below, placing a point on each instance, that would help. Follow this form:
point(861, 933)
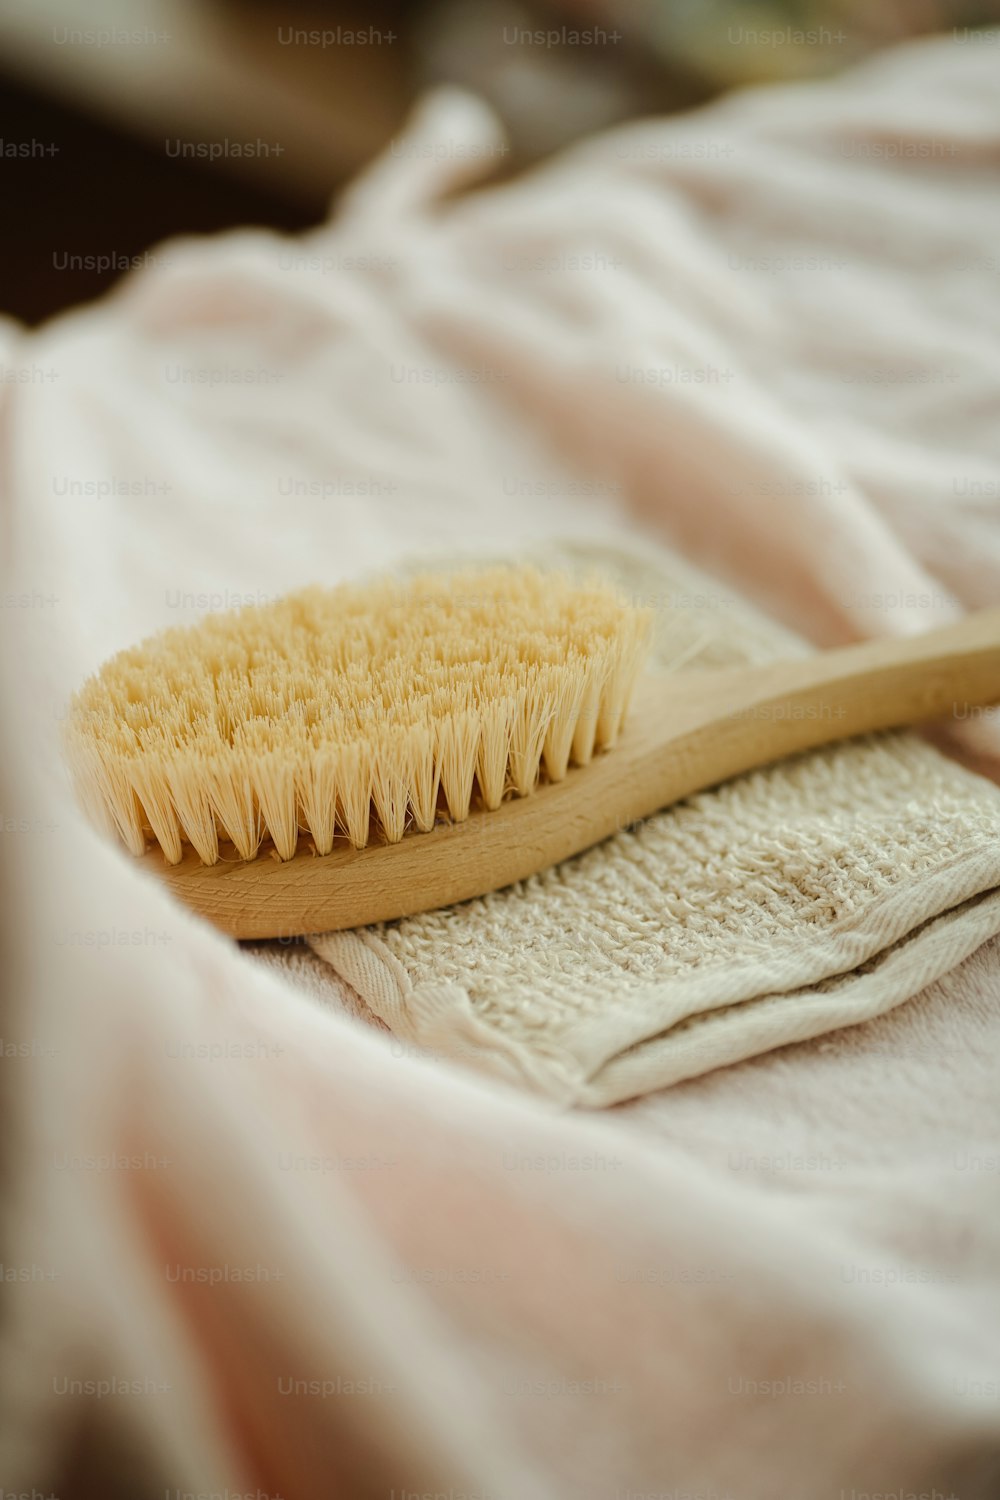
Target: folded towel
point(813, 894)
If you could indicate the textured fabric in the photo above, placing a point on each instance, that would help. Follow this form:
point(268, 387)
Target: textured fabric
point(776, 1279)
point(803, 897)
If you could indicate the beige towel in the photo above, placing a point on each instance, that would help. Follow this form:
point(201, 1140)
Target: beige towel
point(804, 897)
point(662, 1287)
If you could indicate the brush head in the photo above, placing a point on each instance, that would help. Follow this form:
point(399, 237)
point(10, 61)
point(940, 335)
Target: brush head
point(353, 713)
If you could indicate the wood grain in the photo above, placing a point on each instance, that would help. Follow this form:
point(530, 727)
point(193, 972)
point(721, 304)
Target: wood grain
point(684, 734)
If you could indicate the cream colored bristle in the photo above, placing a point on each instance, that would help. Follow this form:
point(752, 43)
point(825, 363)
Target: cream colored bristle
point(333, 712)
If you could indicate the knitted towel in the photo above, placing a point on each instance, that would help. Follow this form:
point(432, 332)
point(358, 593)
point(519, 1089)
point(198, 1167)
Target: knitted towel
point(801, 898)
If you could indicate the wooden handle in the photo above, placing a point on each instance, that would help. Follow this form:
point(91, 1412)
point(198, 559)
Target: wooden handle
point(685, 734)
point(764, 713)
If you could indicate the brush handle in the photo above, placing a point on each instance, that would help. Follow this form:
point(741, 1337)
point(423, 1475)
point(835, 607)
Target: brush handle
point(684, 734)
point(735, 720)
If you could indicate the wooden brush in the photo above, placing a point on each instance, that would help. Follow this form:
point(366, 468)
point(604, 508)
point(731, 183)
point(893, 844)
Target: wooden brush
point(352, 755)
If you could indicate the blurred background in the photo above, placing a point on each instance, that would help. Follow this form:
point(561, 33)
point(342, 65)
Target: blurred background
point(125, 121)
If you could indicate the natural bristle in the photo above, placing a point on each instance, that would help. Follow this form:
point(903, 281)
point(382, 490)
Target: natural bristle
point(333, 712)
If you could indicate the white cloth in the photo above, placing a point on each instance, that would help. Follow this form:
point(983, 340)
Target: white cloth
point(780, 1279)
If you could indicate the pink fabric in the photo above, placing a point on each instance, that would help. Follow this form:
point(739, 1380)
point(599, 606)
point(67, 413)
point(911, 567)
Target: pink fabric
point(779, 1280)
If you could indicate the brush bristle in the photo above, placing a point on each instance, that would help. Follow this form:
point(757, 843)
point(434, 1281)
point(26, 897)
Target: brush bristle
point(355, 711)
